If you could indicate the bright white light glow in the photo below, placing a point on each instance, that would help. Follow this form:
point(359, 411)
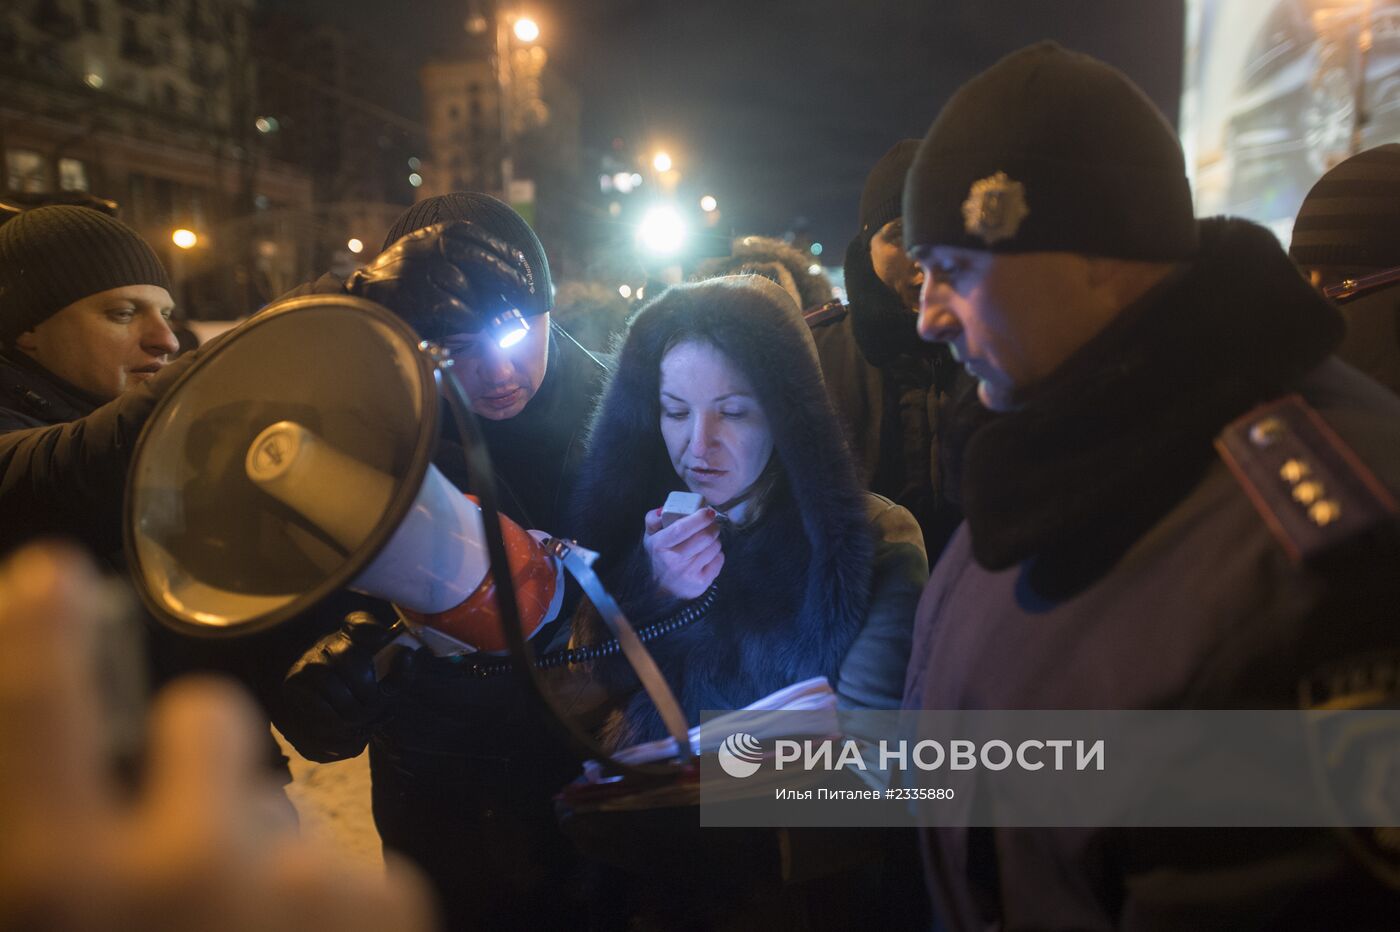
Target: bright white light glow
point(183, 238)
point(661, 162)
point(662, 232)
point(93, 80)
point(415, 179)
point(708, 204)
point(814, 269)
point(354, 245)
point(623, 182)
point(512, 338)
point(625, 290)
point(526, 29)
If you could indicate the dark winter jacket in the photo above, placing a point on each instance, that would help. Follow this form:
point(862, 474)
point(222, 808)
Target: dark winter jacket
point(891, 392)
point(795, 591)
point(1110, 560)
point(64, 455)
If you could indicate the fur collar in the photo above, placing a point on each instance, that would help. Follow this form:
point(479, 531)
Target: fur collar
point(1124, 429)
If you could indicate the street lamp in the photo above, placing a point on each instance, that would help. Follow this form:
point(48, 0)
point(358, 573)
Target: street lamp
point(662, 231)
point(661, 161)
point(526, 29)
point(708, 204)
point(185, 239)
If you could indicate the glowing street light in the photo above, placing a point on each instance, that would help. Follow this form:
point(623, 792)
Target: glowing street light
point(625, 290)
point(185, 239)
point(354, 245)
point(661, 161)
point(708, 204)
point(662, 231)
point(526, 29)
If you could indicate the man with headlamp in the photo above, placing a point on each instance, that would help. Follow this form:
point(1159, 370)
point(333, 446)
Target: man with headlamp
point(462, 770)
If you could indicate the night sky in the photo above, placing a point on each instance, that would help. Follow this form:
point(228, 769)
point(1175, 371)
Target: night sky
point(779, 108)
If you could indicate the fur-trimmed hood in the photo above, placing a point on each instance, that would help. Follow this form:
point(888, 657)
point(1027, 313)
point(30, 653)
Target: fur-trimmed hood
point(786, 609)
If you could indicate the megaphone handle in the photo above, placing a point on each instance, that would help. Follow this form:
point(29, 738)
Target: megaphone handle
point(384, 658)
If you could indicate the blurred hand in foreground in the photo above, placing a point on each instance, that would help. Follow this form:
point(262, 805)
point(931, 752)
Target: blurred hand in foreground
point(204, 843)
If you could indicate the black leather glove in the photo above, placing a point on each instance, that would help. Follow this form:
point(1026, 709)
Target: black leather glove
point(448, 278)
point(331, 700)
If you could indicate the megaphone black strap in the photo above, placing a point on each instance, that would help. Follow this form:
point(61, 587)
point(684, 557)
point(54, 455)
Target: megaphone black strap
point(573, 656)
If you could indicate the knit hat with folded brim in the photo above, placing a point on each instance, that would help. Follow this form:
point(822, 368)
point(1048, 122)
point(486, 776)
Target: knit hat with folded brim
point(1351, 217)
point(1051, 151)
point(51, 257)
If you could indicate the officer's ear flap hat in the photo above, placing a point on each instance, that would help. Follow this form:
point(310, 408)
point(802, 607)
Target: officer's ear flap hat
point(53, 256)
point(1351, 217)
point(496, 218)
point(1051, 151)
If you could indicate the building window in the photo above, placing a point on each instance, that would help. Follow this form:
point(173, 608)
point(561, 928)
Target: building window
point(72, 175)
point(26, 171)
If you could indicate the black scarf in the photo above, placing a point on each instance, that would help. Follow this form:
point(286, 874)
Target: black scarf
point(1107, 445)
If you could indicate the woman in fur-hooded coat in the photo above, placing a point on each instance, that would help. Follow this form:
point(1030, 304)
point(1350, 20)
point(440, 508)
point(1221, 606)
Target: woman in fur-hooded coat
point(794, 593)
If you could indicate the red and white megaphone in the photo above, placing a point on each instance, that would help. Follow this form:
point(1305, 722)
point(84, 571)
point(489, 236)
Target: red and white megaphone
point(435, 567)
point(293, 460)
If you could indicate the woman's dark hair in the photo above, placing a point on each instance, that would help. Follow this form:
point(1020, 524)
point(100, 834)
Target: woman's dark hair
point(757, 326)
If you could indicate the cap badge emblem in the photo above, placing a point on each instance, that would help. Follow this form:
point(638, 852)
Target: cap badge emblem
point(994, 208)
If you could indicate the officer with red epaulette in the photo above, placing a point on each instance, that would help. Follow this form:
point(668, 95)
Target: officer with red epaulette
point(892, 391)
point(1176, 497)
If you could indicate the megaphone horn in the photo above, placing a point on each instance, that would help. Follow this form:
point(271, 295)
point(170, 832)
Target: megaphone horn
point(435, 566)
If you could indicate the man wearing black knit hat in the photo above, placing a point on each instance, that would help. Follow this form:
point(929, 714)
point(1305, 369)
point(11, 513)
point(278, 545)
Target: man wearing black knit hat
point(1175, 497)
point(1346, 239)
point(890, 389)
point(84, 314)
point(84, 320)
point(463, 771)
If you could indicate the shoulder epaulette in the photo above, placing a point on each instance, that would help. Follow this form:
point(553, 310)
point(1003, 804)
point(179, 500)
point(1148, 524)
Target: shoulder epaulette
point(1347, 289)
point(825, 313)
point(1311, 489)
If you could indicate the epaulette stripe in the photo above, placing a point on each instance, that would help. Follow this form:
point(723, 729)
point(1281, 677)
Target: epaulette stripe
point(1260, 505)
point(1359, 469)
point(831, 310)
point(1311, 489)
